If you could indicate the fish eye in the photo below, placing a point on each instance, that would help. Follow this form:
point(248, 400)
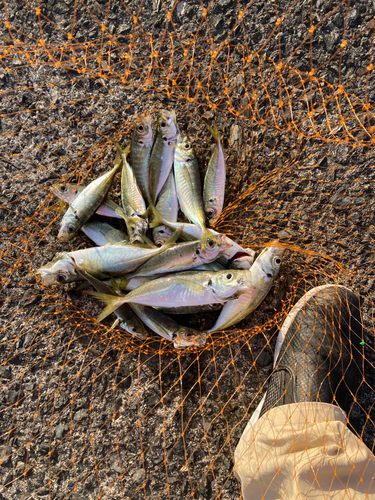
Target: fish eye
point(210, 243)
point(141, 128)
point(60, 278)
point(163, 124)
point(278, 261)
point(210, 213)
point(197, 251)
point(269, 275)
point(134, 329)
point(159, 245)
point(187, 146)
point(71, 229)
point(229, 276)
point(62, 188)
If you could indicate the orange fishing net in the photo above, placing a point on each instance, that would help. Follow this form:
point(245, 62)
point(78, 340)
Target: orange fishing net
point(90, 412)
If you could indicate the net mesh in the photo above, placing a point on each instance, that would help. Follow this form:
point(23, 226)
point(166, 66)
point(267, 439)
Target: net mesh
point(90, 412)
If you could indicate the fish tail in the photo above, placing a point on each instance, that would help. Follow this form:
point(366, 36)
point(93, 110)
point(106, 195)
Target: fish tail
point(174, 237)
point(147, 241)
point(214, 132)
point(158, 219)
point(113, 302)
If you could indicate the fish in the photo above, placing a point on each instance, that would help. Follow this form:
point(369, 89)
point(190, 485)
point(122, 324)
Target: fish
point(191, 232)
point(183, 256)
point(167, 205)
point(167, 328)
point(132, 200)
point(86, 204)
point(214, 180)
point(69, 192)
point(127, 320)
point(260, 278)
point(102, 262)
point(188, 183)
point(172, 291)
point(140, 151)
point(102, 233)
point(162, 154)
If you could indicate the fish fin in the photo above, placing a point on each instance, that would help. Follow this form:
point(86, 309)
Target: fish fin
point(120, 211)
point(113, 302)
point(123, 284)
point(174, 237)
point(147, 213)
point(118, 159)
point(91, 280)
point(147, 241)
point(115, 286)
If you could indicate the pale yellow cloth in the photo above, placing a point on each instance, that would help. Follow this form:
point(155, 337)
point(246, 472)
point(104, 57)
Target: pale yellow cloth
point(304, 450)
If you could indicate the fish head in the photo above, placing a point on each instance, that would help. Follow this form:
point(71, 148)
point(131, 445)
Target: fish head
point(167, 124)
point(138, 331)
point(212, 244)
point(143, 131)
point(184, 149)
point(213, 209)
point(64, 191)
point(160, 234)
point(188, 337)
point(59, 271)
point(70, 225)
point(136, 228)
point(229, 283)
point(269, 260)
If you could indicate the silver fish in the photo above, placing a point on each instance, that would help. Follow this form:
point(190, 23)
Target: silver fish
point(183, 256)
point(86, 204)
point(69, 192)
point(102, 262)
point(162, 154)
point(214, 180)
point(167, 205)
point(132, 200)
point(102, 233)
point(167, 328)
point(260, 279)
point(188, 183)
point(140, 151)
point(172, 291)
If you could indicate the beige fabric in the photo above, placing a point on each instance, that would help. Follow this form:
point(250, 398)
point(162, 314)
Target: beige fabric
point(304, 450)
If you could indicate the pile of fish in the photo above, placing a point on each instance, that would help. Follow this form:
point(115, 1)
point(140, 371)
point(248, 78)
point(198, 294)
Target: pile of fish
point(145, 274)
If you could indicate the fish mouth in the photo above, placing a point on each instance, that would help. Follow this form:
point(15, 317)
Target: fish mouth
point(46, 276)
point(239, 255)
